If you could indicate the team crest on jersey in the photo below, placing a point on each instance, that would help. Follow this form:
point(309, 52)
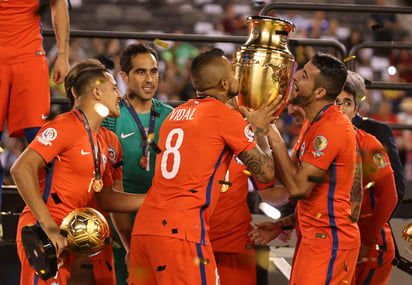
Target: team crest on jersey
point(48, 135)
point(112, 154)
point(319, 143)
point(249, 133)
point(379, 160)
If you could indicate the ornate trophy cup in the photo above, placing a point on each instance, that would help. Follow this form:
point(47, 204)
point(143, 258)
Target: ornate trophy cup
point(264, 63)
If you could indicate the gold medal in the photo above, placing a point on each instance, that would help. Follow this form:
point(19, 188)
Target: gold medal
point(143, 162)
point(97, 185)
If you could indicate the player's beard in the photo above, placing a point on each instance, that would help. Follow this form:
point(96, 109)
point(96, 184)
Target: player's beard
point(134, 95)
point(302, 101)
point(233, 91)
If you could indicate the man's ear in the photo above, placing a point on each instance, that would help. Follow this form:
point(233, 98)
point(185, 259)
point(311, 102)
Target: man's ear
point(320, 92)
point(96, 93)
point(224, 84)
point(125, 77)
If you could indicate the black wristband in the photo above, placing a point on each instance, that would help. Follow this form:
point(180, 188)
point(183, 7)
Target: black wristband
point(285, 228)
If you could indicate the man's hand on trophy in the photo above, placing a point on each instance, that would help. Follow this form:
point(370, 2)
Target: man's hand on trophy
point(265, 114)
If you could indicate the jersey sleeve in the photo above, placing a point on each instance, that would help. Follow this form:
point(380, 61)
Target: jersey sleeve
point(53, 138)
point(375, 159)
point(236, 133)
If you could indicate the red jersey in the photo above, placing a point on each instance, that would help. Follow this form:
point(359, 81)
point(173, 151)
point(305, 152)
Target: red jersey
point(198, 140)
point(114, 161)
point(230, 222)
point(302, 131)
point(20, 34)
point(324, 216)
point(376, 207)
point(115, 152)
point(66, 140)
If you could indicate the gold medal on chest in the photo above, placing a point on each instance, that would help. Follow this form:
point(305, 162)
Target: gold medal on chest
point(97, 185)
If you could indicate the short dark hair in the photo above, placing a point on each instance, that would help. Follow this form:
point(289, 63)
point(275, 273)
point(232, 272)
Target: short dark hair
point(205, 58)
point(132, 50)
point(87, 76)
point(332, 76)
point(72, 76)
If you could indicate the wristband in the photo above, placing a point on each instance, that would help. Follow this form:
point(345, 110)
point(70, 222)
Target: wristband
point(285, 228)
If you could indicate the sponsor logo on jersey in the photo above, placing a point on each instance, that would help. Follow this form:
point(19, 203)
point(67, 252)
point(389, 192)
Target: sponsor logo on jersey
point(123, 136)
point(82, 152)
point(47, 136)
point(319, 143)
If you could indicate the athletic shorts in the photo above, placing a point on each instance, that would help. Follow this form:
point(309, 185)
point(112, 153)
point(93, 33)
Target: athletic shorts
point(24, 95)
point(378, 268)
point(103, 267)
point(318, 265)
point(164, 261)
point(236, 268)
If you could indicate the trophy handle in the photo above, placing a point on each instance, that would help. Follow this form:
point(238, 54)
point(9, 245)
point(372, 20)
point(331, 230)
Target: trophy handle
point(235, 102)
point(40, 251)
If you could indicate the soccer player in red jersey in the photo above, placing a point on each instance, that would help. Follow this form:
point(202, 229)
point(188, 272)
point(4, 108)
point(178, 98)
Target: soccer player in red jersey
point(379, 199)
point(230, 225)
point(24, 73)
point(102, 264)
point(76, 155)
point(170, 242)
point(330, 240)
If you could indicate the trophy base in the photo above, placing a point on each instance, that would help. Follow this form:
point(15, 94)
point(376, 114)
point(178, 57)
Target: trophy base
point(39, 251)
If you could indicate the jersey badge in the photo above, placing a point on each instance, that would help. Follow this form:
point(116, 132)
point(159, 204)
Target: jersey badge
point(379, 160)
point(319, 143)
point(112, 154)
point(48, 135)
point(249, 133)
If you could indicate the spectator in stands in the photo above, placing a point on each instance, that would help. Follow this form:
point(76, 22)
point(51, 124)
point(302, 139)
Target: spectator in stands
point(405, 117)
point(178, 58)
point(232, 23)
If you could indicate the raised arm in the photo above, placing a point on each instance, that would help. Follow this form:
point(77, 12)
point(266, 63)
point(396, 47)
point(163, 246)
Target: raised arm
point(61, 27)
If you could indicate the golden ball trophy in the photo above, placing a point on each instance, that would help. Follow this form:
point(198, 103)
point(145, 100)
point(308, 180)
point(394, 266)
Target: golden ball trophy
point(87, 232)
point(264, 63)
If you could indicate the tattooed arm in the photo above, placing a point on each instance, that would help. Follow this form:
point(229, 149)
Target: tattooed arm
point(356, 192)
point(259, 159)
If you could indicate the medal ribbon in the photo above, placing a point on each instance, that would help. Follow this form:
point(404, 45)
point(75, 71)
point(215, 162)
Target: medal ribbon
point(146, 140)
point(96, 156)
point(317, 118)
